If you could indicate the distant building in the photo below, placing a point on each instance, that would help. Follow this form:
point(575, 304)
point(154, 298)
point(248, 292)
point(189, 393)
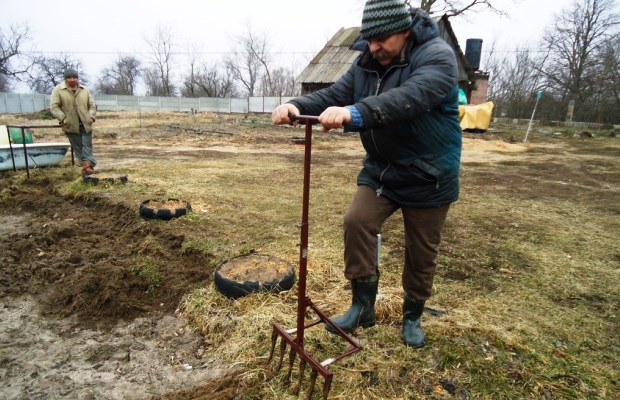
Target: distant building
point(337, 56)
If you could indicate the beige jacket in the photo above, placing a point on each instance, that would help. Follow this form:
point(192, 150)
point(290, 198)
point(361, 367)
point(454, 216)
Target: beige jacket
point(68, 106)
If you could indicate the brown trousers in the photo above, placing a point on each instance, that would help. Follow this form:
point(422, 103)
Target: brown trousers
point(362, 223)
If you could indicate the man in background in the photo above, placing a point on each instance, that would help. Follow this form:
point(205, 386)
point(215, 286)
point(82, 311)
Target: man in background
point(74, 107)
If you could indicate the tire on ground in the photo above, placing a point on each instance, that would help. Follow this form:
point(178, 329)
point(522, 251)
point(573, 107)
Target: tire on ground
point(235, 286)
point(148, 211)
point(94, 179)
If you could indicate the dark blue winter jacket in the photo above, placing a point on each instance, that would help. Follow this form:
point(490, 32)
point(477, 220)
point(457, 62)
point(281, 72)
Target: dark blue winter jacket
point(412, 134)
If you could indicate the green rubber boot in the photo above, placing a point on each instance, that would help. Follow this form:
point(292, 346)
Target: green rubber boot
point(362, 311)
point(412, 330)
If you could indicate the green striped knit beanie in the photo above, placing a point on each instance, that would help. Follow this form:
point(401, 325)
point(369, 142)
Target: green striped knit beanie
point(384, 17)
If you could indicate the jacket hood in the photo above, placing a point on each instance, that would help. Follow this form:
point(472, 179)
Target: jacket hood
point(423, 27)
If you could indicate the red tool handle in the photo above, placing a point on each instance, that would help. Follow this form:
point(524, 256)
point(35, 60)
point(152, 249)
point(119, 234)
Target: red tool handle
point(304, 119)
point(303, 300)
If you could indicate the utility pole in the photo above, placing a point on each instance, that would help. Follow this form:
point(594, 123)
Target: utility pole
point(529, 127)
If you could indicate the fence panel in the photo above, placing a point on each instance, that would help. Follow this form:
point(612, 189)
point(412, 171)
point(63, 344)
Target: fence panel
point(11, 104)
point(214, 104)
point(239, 106)
point(124, 103)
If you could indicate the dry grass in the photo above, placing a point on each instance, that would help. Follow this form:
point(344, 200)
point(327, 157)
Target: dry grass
point(528, 272)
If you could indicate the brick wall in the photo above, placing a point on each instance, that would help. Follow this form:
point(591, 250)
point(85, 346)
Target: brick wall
point(482, 86)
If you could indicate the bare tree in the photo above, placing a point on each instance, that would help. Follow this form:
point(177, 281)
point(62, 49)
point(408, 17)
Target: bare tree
point(162, 61)
point(5, 84)
point(190, 87)
point(604, 106)
point(452, 8)
point(282, 83)
point(250, 61)
point(49, 72)
point(611, 70)
point(572, 44)
point(14, 55)
point(514, 81)
point(153, 83)
point(209, 81)
point(120, 78)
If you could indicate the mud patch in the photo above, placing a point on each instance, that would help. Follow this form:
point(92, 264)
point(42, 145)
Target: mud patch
point(89, 258)
point(56, 358)
point(14, 224)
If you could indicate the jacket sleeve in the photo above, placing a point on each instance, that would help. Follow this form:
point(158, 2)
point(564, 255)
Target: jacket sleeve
point(430, 80)
point(55, 105)
point(339, 94)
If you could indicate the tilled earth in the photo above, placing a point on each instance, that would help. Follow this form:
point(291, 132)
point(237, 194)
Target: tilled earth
point(80, 319)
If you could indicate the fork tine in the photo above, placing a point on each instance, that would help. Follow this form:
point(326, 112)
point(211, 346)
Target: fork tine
point(274, 339)
point(327, 387)
point(291, 361)
point(313, 376)
point(282, 351)
point(302, 368)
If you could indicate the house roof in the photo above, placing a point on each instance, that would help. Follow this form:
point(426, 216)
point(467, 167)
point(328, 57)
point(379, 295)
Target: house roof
point(337, 56)
point(334, 59)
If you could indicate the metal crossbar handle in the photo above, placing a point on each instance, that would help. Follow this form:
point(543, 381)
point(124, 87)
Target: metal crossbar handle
point(304, 302)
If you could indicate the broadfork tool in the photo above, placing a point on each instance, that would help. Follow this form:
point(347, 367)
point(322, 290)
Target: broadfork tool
point(304, 302)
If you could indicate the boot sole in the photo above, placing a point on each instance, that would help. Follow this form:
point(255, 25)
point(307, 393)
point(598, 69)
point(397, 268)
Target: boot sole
point(415, 346)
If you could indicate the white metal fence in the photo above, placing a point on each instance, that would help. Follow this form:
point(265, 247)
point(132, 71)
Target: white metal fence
point(18, 103)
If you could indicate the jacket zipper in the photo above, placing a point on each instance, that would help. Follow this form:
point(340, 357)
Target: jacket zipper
point(379, 191)
point(372, 134)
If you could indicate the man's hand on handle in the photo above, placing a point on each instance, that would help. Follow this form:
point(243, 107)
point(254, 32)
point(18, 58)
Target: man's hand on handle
point(279, 116)
point(334, 118)
point(331, 118)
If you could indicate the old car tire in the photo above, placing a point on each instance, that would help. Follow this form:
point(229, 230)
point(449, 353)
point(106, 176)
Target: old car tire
point(236, 288)
point(148, 211)
point(94, 179)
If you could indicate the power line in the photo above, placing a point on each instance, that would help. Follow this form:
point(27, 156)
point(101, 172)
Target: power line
point(148, 53)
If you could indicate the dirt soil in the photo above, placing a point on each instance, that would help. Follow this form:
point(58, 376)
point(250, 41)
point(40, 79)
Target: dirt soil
point(78, 322)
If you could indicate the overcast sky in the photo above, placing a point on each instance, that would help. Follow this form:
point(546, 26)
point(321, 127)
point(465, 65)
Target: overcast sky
point(95, 32)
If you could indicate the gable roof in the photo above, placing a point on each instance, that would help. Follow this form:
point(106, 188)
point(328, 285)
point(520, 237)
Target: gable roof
point(334, 59)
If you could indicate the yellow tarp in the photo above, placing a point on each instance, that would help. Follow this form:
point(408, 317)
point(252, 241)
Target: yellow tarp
point(476, 116)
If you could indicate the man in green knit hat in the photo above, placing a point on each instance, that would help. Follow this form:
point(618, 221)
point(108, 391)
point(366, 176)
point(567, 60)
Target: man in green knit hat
point(401, 95)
